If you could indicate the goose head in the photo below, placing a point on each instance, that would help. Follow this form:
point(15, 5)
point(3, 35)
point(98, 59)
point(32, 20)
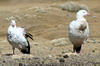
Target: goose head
point(13, 23)
point(82, 13)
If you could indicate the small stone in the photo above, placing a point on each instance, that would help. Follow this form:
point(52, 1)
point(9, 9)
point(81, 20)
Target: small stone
point(36, 58)
point(50, 56)
point(88, 41)
point(21, 64)
point(22, 58)
point(61, 60)
point(4, 61)
point(93, 50)
point(94, 16)
point(99, 42)
point(36, 44)
point(93, 41)
point(65, 56)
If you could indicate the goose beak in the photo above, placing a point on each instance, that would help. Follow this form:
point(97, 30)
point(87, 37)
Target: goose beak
point(88, 14)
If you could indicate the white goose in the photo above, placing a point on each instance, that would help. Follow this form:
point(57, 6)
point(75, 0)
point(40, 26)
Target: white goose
point(78, 30)
point(17, 37)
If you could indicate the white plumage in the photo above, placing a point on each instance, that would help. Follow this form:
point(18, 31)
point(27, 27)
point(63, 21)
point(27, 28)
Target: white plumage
point(17, 37)
point(79, 30)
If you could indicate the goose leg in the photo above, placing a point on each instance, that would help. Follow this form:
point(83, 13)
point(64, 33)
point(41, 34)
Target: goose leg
point(13, 50)
point(78, 49)
point(74, 49)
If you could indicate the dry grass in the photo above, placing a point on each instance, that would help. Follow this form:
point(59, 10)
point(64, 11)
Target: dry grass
point(74, 7)
point(97, 10)
point(59, 42)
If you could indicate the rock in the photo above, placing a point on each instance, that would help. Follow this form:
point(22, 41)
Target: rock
point(61, 60)
point(98, 41)
point(70, 54)
point(36, 44)
point(50, 56)
point(4, 61)
point(36, 58)
point(88, 41)
point(94, 16)
point(93, 50)
point(91, 41)
point(21, 64)
point(94, 41)
point(65, 56)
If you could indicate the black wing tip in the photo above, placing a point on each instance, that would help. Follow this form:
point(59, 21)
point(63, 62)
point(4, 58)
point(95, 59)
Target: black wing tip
point(24, 51)
point(29, 35)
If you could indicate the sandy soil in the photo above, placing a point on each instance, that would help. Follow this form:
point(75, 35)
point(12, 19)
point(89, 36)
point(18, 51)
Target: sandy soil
point(48, 23)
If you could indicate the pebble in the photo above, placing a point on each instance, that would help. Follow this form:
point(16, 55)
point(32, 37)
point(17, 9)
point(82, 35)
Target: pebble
point(65, 56)
point(93, 50)
point(61, 60)
point(93, 41)
point(94, 16)
point(21, 64)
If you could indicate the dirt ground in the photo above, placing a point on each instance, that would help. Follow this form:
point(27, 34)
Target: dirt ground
point(48, 23)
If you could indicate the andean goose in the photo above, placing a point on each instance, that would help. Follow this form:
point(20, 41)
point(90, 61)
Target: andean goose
point(78, 30)
point(17, 37)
